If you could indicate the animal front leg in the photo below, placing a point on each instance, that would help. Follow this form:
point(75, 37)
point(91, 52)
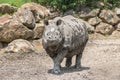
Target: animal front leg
point(57, 61)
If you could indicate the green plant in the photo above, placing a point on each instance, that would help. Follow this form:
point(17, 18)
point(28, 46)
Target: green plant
point(69, 4)
point(1, 14)
point(64, 5)
point(16, 3)
point(61, 4)
point(115, 3)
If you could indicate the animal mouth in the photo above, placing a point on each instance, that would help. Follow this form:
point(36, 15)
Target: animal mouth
point(54, 47)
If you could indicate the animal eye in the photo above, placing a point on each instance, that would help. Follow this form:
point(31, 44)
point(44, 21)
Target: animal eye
point(49, 37)
point(48, 34)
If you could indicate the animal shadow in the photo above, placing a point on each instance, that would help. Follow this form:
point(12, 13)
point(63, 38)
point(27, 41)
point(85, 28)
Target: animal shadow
point(70, 69)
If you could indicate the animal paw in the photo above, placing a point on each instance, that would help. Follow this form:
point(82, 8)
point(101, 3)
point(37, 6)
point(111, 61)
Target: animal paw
point(68, 64)
point(77, 66)
point(56, 71)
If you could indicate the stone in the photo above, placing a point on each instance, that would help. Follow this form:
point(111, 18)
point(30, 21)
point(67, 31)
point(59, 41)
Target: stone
point(84, 12)
point(14, 30)
point(118, 27)
point(90, 14)
point(89, 27)
point(38, 31)
point(109, 17)
point(25, 16)
point(117, 11)
point(104, 28)
point(115, 34)
point(94, 21)
point(19, 46)
point(94, 13)
point(38, 11)
point(7, 8)
point(4, 19)
point(38, 45)
point(101, 4)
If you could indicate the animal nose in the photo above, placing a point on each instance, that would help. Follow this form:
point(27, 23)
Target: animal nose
point(52, 37)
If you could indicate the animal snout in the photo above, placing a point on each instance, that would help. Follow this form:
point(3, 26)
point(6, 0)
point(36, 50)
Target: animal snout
point(52, 38)
point(51, 41)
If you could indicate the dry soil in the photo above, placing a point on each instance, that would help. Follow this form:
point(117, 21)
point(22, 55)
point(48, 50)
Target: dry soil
point(100, 61)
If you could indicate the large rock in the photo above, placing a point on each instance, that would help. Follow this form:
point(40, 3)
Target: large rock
point(20, 46)
point(38, 45)
point(115, 34)
point(109, 17)
point(89, 27)
point(14, 30)
point(94, 21)
point(6, 8)
point(89, 14)
point(37, 10)
point(38, 31)
point(117, 11)
point(118, 27)
point(84, 12)
point(104, 28)
point(4, 19)
point(94, 13)
point(25, 16)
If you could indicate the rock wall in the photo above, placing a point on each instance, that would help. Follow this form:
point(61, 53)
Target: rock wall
point(24, 25)
point(104, 21)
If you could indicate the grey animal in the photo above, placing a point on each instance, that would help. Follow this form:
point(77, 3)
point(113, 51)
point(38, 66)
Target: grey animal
point(64, 37)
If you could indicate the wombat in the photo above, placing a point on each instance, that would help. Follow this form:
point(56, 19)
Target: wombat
point(64, 37)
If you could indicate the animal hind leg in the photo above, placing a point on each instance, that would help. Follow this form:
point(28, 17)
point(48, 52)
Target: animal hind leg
point(78, 61)
point(68, 62)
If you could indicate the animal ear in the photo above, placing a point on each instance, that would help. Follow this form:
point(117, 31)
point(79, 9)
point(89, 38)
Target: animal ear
point(46, 22)
point(58, 22)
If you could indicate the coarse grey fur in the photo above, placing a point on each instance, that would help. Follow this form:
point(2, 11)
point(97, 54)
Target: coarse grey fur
point(64, 37)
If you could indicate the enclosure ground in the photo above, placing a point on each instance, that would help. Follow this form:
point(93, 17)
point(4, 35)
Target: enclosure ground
point(100, 61)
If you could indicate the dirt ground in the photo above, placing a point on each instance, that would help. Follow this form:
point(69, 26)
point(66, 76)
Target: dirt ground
point(100, 61)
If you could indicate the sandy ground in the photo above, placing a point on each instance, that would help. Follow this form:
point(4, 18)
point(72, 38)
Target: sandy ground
point(100, 61)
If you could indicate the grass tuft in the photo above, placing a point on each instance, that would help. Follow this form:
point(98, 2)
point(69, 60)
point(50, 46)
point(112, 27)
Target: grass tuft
point(16, 3)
